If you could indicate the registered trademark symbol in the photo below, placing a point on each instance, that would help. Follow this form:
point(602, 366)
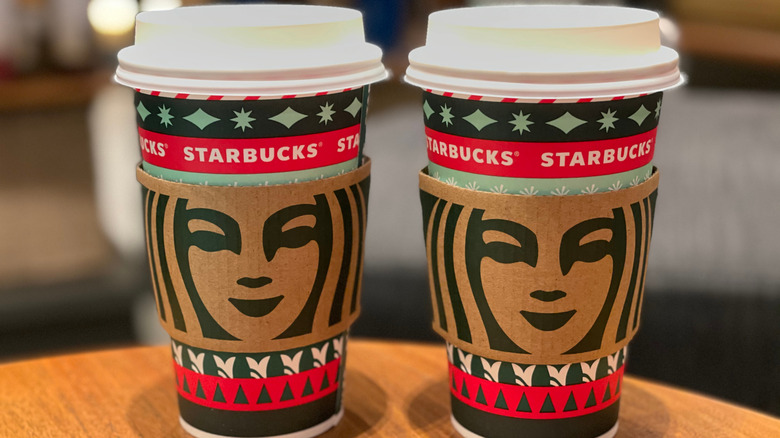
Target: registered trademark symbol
point(517, 153)
point(319, 145)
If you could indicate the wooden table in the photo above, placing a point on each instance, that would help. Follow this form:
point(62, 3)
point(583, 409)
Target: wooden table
point(130, 393)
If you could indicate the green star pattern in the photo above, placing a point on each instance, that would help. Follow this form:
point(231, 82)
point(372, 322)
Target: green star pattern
point(165, 116)
point(608, 121)
point(446, 115)
point(243, 120)
point(658, 109)
point(326, 115)
point(521, 122)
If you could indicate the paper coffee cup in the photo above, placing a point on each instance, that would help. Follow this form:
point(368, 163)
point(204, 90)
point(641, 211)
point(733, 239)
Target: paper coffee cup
point(252, 118)
point(538, 296)
point(243, 95)
point(553, 99)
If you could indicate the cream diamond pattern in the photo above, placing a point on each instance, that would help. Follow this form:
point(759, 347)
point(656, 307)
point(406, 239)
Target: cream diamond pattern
point(142, 111)
point(566, 122)
point(354, 107)
point(201, 119)
point(640, 115)
point(479, 120)
point(427, 110)
point(288, 117)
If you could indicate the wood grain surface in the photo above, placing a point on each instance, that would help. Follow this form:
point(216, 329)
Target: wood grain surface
point(392, 389)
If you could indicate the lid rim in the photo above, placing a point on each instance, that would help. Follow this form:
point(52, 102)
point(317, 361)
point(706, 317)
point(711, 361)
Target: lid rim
point(141, 81)
point(552, 90)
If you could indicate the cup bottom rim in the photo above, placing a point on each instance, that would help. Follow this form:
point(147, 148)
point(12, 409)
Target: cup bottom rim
point(465, 433)
point(306, 433)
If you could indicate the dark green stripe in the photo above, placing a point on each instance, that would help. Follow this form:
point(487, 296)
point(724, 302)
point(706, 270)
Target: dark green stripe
point(260, 110)
point(461, 323)
point(346, 258)
point(259, 423)
point(178, 318)
point(540, 114)
point(435, 263)
point(497, 426)
point(150, 195)
point(359, 262)
point(644, 258)
point(623, 326)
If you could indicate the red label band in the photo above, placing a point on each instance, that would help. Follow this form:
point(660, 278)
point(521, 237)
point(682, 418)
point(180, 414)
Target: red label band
point(535, 402)
point(247, 394)
point(540, 160)
point(249, 155)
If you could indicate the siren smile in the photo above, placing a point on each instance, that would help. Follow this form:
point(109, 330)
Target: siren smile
point(256, 308)
point(547, 321)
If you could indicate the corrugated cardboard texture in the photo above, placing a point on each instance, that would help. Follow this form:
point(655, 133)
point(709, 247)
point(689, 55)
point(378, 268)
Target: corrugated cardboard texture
point(537, 279)
point(253, 269)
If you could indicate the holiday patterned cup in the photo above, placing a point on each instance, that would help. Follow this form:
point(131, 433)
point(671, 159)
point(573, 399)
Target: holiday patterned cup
point(537, 298)
point(255, 191)
point(538, 203)
point(257, 287)
point(542, 147)
point(250, 140)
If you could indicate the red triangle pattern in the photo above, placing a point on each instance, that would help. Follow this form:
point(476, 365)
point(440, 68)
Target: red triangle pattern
point(252, 388)
point(535, 395)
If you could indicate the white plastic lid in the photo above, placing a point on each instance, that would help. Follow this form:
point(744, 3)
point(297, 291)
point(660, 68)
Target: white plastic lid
point(561, 51)
point(250, 50)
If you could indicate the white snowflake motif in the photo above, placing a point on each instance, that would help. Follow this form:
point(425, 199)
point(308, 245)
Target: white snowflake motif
point(338, 346)
point(451, 181)
point(634, 181)
point(225, 366)
point(342, 171)
point(176, 352)
point(258, 368)
point(612, 361)
point(590, 190)
point(436, 175)
point(617, 185)
point(523, 377)
point(558, 377)
point(449, 352)
point(499, 189)
point(320, 355)
point(472, 185)
point(465, 361)
point(560, 191)
point(589, 371)
point(647, 174)
point(491, 370)
point(529, 191)
point(292, 364)
point(197, 361)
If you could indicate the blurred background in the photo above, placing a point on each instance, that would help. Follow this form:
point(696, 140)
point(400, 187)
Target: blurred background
point(73, 273)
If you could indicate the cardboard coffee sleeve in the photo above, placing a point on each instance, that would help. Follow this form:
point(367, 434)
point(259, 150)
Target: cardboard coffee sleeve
point(537, 279)
point(252, 269)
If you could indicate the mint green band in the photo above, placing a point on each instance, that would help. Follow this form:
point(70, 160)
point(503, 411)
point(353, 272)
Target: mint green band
point(541, 186)
point(251, 179)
